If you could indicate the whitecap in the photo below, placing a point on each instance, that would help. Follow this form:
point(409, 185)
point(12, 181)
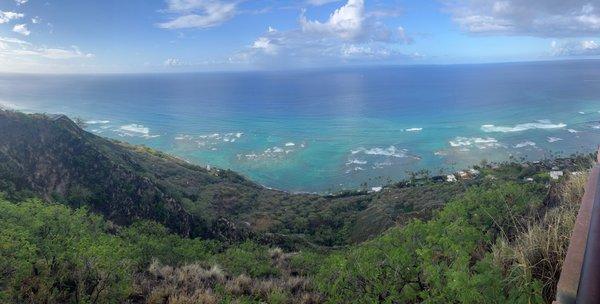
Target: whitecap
point(391, 151)
point(356, 162)
point(542, 124)
point(479, 142)
point(525, 144)
point(572, 131)
point(290, 144)
point(554, 139)
point(413, 129)
point(581, 112)
point(376, 189)
point(135, 128)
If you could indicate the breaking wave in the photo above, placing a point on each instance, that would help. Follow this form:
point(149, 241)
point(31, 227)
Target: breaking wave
point(479, 142)
point(542, 124)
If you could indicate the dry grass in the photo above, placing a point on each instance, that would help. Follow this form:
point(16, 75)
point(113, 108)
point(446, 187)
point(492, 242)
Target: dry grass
point(193, 283)
point(537, 252)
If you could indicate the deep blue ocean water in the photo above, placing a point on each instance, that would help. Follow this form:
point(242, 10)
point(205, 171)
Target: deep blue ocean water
point(323, 130)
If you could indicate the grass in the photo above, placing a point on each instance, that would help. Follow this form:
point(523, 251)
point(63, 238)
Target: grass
point(534, 255)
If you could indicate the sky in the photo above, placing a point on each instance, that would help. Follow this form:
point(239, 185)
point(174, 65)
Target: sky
point(117, 36)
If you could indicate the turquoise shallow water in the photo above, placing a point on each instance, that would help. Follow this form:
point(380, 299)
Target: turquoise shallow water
point(333, 129)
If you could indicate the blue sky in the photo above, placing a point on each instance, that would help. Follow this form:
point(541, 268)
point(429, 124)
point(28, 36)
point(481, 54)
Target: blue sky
point(65, 36)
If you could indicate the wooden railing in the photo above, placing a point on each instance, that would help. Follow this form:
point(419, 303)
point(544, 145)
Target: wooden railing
point(580, 277)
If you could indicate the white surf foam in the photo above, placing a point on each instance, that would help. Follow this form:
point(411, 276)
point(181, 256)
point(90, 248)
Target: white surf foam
point(413, 129)
point(376, 189)
point(9, 106)
point(390, 151)
point(135, 128)
point(541, 124)
point(356, 162)
point(554, 139)
point(525, 144)
point(479, 142)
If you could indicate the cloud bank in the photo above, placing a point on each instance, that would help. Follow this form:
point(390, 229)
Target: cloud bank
point(198, 13)
point(540, 18)
point(349, 34)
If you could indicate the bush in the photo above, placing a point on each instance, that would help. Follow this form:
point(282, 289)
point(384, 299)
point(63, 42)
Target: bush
point(444, 260)
point(50, 253)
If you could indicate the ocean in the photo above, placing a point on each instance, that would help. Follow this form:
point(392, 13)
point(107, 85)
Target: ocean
point(334, 129)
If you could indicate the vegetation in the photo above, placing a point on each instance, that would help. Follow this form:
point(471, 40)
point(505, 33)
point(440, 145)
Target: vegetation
point(498, 243)
point(50, 253)
point(87, 220)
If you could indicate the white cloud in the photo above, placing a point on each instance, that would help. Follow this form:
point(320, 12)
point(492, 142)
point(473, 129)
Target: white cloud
point(403, 36)
point(542, 18)
point(575, 48)
point(199, 13)
point(35, 20)
point(21, 2)
point(56, 53)
point(21, 29)
point(350, 33)
point(352, 23)
point(266, 44)
point(363, 50)
point(320, 2)
point(14, 40)
point(16, 48)
point(589, 45)
point(172, 62)
point(346, 22)
point(6, 17)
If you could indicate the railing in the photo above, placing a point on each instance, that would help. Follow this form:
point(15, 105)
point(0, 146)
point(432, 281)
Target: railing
point(580, 277)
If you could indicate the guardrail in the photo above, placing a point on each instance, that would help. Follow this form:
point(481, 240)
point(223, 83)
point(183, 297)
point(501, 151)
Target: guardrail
point(580, 277)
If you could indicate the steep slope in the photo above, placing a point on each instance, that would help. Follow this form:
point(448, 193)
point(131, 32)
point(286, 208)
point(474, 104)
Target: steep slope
point(55, 159)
